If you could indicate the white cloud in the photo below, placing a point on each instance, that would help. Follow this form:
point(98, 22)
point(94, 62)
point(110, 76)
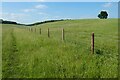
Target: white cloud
point(40, 6)
point(0, 10)
point(40, 0)
point(41, 13)
point(28, 10)
point(53, 17)
point(0, 13)
point(107, 5)
point(14, 16)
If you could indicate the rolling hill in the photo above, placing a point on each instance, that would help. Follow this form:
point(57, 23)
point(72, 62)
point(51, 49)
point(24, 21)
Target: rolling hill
point(29, 54)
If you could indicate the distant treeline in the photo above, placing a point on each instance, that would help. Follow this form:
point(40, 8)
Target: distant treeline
point(9, 22)
point(37, 23)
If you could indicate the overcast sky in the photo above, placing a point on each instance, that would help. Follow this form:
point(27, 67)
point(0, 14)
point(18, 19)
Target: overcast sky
point(30, 12)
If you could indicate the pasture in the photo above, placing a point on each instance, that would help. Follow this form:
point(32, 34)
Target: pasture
point(0, 51)
point(27, 54)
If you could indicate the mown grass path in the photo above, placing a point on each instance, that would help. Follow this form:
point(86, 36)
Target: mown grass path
point(12, 60)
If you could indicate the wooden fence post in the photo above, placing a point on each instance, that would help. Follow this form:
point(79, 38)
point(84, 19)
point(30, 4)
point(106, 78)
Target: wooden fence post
point(48, 33)
point(92, 42)
point(62, 34)
point(40, 30)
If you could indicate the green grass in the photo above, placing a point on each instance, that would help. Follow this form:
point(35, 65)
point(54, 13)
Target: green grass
point(0, 51)
point(28, 54)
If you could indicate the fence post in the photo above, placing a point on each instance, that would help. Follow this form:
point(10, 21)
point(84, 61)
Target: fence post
point(40, 30)
point(62, 34)
point(48, 33)
point(92, 43)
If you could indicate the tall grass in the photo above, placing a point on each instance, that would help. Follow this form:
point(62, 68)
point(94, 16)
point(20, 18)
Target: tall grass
point(31, 55)
point(0, 51)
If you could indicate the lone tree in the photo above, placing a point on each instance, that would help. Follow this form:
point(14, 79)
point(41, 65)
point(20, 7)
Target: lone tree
point(103, 15)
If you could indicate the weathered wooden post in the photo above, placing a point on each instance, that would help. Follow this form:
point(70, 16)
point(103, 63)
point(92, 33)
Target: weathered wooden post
point(48, 33)
point(62, 34)
point(40, 30)
point(92, 42)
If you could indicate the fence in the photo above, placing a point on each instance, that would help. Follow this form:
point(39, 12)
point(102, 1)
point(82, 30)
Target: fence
point(63, 36)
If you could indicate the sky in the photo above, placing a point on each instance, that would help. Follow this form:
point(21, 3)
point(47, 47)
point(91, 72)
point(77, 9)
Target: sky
point(60, 0)
point(30, 12)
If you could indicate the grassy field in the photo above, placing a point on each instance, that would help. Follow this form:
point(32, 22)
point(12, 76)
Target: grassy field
point(0, 51)
point(28, 54)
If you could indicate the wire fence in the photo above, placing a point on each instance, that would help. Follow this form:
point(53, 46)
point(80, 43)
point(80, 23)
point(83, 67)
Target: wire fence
point(71, 36)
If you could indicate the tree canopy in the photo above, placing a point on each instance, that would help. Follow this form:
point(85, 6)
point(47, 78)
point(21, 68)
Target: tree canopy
point(103, 15)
